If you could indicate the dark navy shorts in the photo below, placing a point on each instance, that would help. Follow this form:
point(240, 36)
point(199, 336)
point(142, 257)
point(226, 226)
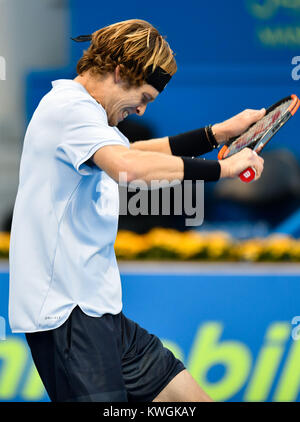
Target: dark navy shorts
point(101, 359)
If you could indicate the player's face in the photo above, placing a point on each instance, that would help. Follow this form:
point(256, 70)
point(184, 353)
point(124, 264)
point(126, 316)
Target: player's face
point(129, 101)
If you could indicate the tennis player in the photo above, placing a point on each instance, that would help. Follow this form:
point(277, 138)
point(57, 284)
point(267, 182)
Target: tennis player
point(65, 290)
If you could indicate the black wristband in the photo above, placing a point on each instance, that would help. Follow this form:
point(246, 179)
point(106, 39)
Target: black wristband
point(190, 144)
point(199, 169)
point(211, 137)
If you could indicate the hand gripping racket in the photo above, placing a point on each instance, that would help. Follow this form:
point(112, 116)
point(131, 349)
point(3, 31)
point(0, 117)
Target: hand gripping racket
point(259, 134)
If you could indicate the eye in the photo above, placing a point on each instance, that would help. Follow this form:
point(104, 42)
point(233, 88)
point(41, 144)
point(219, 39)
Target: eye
point(146, 99)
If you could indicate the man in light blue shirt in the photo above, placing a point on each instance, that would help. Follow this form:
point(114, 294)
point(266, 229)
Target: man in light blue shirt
point(65, 291)
point(66, 212)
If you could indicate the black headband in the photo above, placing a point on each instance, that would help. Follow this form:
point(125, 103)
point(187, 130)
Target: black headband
point(158, 79)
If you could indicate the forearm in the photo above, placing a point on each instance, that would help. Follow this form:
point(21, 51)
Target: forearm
point(152, 166)
point(161, 145)
point(188, 144)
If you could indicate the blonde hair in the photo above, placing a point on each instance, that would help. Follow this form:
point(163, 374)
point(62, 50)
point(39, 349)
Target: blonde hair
point(133, 45)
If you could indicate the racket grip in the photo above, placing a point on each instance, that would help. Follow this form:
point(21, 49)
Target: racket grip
point(248, 175)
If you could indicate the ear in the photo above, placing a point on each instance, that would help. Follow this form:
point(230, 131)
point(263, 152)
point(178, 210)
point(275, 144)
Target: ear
point(117, 77)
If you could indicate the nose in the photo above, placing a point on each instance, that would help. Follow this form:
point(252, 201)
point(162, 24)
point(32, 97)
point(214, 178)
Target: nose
point(140, 110)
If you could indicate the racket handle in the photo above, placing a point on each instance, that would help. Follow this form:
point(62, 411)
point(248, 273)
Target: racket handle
point(248, 175)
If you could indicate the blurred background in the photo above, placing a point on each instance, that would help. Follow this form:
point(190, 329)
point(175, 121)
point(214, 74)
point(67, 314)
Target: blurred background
point(231, 55)
point(240, 57)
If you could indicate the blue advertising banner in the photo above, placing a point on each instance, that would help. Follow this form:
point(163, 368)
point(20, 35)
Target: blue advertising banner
point(236, 328)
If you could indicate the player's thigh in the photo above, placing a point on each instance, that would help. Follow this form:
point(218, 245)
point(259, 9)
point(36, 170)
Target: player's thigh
point(182, 388)
point(147, 365)
point(81, 359)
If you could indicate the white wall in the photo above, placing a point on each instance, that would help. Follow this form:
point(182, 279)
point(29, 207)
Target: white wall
point(34, 34)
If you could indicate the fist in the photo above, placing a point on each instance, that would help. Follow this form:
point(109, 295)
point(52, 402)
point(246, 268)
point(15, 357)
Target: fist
point(234, 165)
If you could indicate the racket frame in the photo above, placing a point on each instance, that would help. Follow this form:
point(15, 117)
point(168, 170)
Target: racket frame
point(265, 138)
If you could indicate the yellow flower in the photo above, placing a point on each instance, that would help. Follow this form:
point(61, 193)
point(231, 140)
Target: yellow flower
point(4, 244)
point(250, 250)
point(218, 244)
point(163, 238)
point(279, 246)
point(161, 243)
point(296, 251)
point(192, 243)
point(129, 244)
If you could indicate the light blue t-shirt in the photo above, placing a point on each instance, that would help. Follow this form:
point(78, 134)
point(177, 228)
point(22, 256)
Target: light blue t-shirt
point(65, 216)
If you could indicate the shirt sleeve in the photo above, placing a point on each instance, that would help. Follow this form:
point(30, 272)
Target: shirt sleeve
point(85, 130)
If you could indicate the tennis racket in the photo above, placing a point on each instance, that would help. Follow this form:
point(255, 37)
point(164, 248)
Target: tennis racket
point(260, 133)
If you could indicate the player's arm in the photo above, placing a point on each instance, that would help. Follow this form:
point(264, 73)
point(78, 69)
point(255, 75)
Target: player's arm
point(198, 142)
point(188, 144)
point(134, 164)
point(153, 145)
point(127, 165)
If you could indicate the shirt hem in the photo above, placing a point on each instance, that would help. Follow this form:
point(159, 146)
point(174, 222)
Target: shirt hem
point(63, 320)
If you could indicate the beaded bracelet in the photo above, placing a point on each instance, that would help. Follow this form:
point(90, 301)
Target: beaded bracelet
point(210, 136)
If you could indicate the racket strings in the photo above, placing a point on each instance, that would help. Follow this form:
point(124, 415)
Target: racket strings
point(254, 134)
